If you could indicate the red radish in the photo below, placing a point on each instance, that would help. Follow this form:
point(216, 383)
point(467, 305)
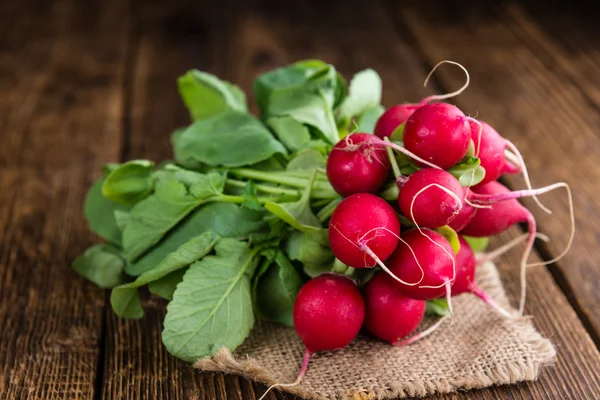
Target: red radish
point(439, 133)
point(328, 313)
point(363, 230)
point(504, 212)
point(465, 277)
point(398, 114)
point(414, 202)
point(357, 164)
point(431, 198)
point(500, 216)
point(392, 118)
point(490, 147)
point(390, 315)
point(493, 151)
point(426, 259)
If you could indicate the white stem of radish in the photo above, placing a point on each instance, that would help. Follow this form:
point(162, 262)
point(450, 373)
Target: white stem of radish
point(367, 250)
point(422, 334)
point(445, 189)
point(364, 243)
point(303, 368)
point(476, 290)
point(526, 252)
point(571, 234)
point(492, 255)
point(448, 95)
point(474, 205)
point(513, 159)
point(407, 153)
point(517, 153)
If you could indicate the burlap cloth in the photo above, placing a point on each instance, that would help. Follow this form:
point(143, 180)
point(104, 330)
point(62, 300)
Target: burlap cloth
point(480, 349)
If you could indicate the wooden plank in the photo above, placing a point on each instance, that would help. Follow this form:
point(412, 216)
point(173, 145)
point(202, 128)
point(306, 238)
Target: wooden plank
point(561, 37)
point(60, 94)
point(542, 112)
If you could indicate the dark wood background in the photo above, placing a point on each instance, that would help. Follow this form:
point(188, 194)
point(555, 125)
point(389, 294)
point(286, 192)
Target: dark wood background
point(83, 83)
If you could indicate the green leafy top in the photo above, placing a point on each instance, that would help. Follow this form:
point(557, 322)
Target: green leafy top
point(229, 139)
point(129, 182)
point(205, 95)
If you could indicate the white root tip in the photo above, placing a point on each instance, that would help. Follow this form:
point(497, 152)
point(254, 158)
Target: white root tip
point(447, 95)
point(571, 233)
point(422, 334)
point(494, 254)
point(519, 156)
point(303, 368)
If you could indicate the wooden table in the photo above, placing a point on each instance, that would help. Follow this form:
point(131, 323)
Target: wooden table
point(85, 83)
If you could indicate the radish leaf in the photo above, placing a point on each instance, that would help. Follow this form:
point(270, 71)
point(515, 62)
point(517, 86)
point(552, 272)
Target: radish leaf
point(212, 306)
point(205, 95)
point(101, 264)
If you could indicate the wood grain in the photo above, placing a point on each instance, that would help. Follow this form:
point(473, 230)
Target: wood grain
point(61, 67)
point(532, 103)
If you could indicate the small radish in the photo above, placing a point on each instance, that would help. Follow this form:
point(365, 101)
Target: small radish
point(490, 147)
point(465, 277)
point(439, 133)
point(398, 114)
point(498, 156)
point(425, 257)
point(415, 191)
point(431, 198)
point(392, 118)
point(390, 315)
point(500, 216)
point(506, 211)
point(328, 313)
point(363, 230)
point(357, 164)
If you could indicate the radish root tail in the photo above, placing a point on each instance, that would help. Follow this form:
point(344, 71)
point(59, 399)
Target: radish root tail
point(517, 153)
point(436, 97)
point(477, 291)
point(303, 368)
point(421, 335)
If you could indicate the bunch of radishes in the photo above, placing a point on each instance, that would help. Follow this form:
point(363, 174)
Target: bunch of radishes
point(408, 237)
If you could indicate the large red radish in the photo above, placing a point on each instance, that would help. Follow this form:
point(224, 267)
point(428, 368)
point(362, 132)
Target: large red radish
point(328, 313)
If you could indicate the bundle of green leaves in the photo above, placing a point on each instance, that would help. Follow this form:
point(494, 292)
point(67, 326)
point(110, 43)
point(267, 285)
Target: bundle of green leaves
point(231, 228)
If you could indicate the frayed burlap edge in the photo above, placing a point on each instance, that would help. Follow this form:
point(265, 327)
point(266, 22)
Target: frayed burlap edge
point(542, 352)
